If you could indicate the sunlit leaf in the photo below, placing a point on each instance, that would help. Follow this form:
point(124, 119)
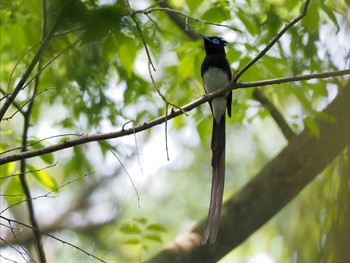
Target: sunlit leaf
point(156, 227)
point(193, 4)
point(14, 191)
point(312, 126)
point(7, 169)
point(130, 229)
point(36, 144)
point(44, 178)
point(132, 241)
point(153, 237)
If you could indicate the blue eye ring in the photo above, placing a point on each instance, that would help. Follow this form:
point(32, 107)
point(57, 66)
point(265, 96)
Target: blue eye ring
point(216, 41)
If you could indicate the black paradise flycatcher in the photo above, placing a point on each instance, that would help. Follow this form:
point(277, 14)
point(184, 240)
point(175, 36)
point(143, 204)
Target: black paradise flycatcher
point(216, 74)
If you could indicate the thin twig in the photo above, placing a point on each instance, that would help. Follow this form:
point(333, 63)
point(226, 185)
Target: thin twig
point(41, 140)
point(52, 60)
point(166, 132)
point(17, 63)
point(257, 93)
point(30, 171)
point(136, 145)
point(20, 109)
point(138, 28)
point(126, 171)
point(45, 195)
point(187, 17)
point(27, 114)
point(23, 254)
point(53, 237)
point(31, 66)
point(150, 62)
point(124, 132)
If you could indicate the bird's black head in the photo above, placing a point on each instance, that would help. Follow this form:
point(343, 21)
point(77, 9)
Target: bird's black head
point(214, 45)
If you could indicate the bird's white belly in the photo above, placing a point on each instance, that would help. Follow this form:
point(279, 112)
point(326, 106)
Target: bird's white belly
point(215, 79)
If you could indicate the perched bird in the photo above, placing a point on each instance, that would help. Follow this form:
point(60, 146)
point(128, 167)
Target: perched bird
point(216, 74)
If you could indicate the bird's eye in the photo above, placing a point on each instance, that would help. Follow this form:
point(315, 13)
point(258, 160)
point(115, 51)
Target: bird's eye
point(216, 41)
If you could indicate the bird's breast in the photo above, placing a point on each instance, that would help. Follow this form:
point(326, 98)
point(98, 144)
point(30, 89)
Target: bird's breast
point(215, 79)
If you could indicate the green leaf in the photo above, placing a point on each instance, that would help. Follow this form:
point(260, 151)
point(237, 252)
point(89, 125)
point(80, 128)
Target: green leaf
point(311, 21)
point(193, 4)
point(156, 227)
point(154, 237)
point(130, 229)
point(141, 220)
point(7, 169)
point(186, 66)
point(127, 52)
point(203, 128)
point(331, 15)
point(132, 241)
point(14, 192)
point(44, 178)
point(47, 158)
point(312, 126)
point(216, 15)
point(250, 24)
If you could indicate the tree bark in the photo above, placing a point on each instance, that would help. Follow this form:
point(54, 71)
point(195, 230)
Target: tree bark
point(271, 189)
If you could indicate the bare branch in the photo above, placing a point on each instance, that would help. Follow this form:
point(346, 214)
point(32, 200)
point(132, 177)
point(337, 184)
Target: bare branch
point(124, 168)
point(124, 132)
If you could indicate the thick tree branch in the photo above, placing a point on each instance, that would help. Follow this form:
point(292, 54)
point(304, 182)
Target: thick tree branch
point(276, 115)
point(124, 132)
point(277, 183)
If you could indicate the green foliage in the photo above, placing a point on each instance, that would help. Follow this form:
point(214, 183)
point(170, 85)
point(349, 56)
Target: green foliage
point(142, 233)
point(101, 81)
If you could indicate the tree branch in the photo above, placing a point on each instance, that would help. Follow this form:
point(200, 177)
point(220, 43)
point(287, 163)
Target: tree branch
point(31, 66)
point(270, 190)
point(273, 42)
point(276, 115)
point(124, 132)
point(258, 95)
point(27, 114)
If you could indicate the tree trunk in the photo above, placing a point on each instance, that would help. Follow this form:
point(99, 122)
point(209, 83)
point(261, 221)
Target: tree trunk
point(270, 190)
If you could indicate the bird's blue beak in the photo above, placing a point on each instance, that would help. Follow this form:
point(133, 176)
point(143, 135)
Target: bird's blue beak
point(204, 37)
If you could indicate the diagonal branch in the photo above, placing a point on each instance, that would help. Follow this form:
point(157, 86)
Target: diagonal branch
point(258, 95)
point(276, 115)
point(31, 66)
point(174, 113)
point(273, 42)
